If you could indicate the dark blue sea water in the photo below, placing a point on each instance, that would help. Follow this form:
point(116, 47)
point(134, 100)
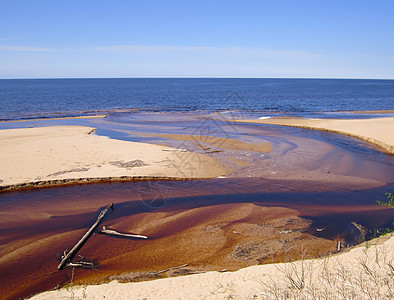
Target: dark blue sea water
point(34, 98)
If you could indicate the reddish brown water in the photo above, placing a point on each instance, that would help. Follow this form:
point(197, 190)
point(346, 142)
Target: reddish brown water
point(37, 225)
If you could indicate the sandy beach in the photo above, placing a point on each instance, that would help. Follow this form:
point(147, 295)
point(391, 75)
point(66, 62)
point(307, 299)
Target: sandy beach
point(361, 272)
point(71, 154)
point(377, 131)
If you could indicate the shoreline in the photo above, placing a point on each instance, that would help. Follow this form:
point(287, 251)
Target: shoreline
point(88, 180)
point(384, 111)
point(374, 131)
point(55, 119)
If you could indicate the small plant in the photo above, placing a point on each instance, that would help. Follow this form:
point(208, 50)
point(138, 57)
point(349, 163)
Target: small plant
point(367, 245)
point(389, 203)
point(84, 295)
point(383, 231)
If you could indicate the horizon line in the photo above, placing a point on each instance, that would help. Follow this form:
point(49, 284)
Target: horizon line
point(195, 77)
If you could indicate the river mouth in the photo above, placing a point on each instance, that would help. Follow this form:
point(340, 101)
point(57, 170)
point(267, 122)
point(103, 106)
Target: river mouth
point(312, 190)
point(208, 224)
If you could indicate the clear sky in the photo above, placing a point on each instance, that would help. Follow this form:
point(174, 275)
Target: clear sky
point(125, 38)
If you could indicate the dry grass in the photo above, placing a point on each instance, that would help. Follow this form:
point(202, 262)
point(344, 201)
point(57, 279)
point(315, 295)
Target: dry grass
point(369, 275)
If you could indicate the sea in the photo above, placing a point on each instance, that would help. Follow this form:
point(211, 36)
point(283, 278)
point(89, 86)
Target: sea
point(47, 98)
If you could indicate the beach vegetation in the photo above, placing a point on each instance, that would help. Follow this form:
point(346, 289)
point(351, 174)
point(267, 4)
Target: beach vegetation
point(369, 276)
point(389, 203)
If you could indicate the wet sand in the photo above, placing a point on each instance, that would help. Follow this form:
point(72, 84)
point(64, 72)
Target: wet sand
point(215, 143)
point(305, 193)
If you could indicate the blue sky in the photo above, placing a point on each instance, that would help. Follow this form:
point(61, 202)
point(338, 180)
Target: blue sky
point(324, 39)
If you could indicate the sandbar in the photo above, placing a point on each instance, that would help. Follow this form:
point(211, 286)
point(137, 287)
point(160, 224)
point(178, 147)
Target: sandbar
point(207, 142)
point(70, 154)
point(377, 131)
point(385, 111)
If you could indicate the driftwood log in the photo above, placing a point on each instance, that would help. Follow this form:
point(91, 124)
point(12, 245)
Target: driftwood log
point(67, 257)
point(115, 233)
point(176, 149)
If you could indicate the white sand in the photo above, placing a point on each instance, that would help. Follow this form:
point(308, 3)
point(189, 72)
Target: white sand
point(378, 131)
point(64, 154)
point(365, 272)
